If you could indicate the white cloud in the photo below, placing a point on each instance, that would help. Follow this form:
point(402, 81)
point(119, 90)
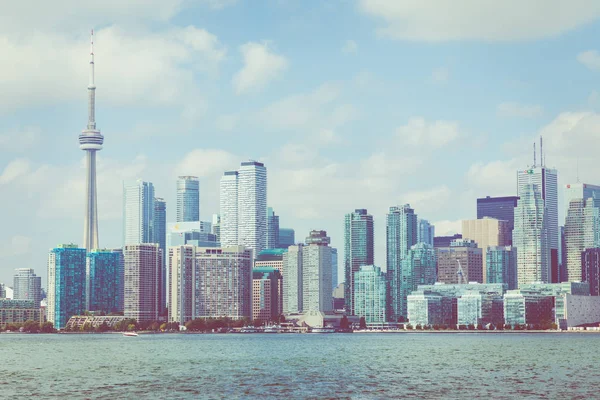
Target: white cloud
point(419, 132)
point(19, 140)
point(218, 4)
point(206, 163)
point(511, 109)
point(261, 65)
point(590, 59)
point(15, 169)
point(447, 227)
point(496, 178)
point(349, 47)
point(442, 20)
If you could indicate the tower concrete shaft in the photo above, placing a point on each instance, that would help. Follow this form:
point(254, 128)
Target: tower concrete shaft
point(91, 140)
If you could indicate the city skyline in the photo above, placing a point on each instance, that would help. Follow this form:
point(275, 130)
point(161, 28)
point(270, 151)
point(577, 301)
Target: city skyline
point(320, 191)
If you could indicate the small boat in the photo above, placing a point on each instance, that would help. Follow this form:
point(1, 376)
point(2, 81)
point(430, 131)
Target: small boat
point(248, 329)
point(323, 329)
point(130, 334)
point(272, 329)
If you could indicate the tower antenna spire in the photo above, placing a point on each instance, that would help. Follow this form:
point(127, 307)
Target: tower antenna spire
point(534, 158)
point(542, 152)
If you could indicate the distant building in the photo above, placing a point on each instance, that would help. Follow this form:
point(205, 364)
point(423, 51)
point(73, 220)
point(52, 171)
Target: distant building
point(582, 231)
point(19, 311)
point(418, 268)
point(66, 283)
point(287, 238)
point(338, 297)
point(370, 294)
point(334, 267)
point(316, 273)
point(486, 232)
point(501, 208)
point(188, 199)
point(522, 308)
point(76, 322)
point(501, 265)
point(477, 307)
point(216, 227)
point(104, 287)
point(579, 190)
point(292, 280)
point(590, 265)
point(272, 229)
point(267, 294)
point(425, 308)
point(358, 249)
point(461, 262)
point(159, 228)
point(27, 286)
point(228, 208)
point(270, 258)
point(444, 241)
point(572, 310)
point(138, 212)
point(425, 232)
point(143, 281)
point(197, 233)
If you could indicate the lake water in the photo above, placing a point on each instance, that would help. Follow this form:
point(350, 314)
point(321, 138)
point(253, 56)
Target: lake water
point(415, 365)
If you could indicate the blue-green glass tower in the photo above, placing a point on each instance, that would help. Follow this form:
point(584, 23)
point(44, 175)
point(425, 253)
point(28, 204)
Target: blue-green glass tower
point(370, 294)
point(104, 285)
point(358, 250)
point(501, 265)
point(418, 268)
point(401, 233)
point(66, 283)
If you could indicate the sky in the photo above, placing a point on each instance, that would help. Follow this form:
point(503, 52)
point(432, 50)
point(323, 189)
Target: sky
point(349, 103)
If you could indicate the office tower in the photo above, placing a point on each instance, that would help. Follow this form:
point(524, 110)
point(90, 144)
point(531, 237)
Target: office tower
point(181, 290)
point(444, 241)
point(292, 280)
point(486, 232)
point(582, 231)
point(119, 252)
point(252, 206)
point(316, 273)
point(461, 262)
point(90, 141)
point(138, 212)
point(358, 249)
point(530, 237)
point(501, 208)
point(197, 233)
point(287, 238)
point(143, 281)
point(2, 291)
point(401, 234)
point(563, 256)
point(370, 294)
point(104, 287)
point(27, 286)
point(547, 181)
point(188, 199)
point(66, 283)
point(228, 208)
point(338, 297)
point(425, 232)
point(272, 229)
point(590, 265)
point(216, 226)
point(501, 265)
point(334, 268)
point(579, 190)
point(418, 267)
point(159, 227)
point(267, 294)
point(272, 258)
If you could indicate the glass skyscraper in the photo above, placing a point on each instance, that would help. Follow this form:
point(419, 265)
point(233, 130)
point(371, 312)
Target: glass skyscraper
point(501, 265)
point(418, 268)
point(138, 212)
point(66, 283)
point(590, 265)
point(188, 199)
point(370, 294)
point(104, 287)
point(581, 232)
point(401, 234)
point(272, 229)
point(316, 273)
point(358, 249)
point(425, 232)
point(501, 208)
point(287, 238)
point(27, 286)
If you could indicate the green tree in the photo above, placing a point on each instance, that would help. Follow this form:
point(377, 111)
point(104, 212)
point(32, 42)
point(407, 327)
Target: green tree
point(103, 327)
point(418, 327)
point(409, 327)
point(47, 327)
point(362, 323)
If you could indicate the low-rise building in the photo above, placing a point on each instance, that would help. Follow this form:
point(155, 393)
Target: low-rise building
point(527, 308)
point(76, 322)
point(574, 310)
point(425, 308)
point(19, 311)
point(267, 294)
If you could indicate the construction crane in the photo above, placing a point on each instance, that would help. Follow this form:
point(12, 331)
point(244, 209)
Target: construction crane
point(460, 273)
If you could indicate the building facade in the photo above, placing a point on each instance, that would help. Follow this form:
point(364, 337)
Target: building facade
point(425, 232)
point(358, 249)
point(287, 238)
point(228, 208)
point(27, 286)
point(160, 236)
point(590, 266)
point(272, 229)
point(582, 231)
point(267, 294)
point(104, 287)
point(272, 258)
point(19, 312)
point(370, 294)
point(66, 283)
point(487, 232)
point(579, 190)
point(444, 241)
point(418, 267)
point(292, 279)
point(138, 212)
point(501, 265)
point(334, 268)
point(316, 273)
point(188, 199)
point(462, 262)
point(143, 281)
point(500, 208)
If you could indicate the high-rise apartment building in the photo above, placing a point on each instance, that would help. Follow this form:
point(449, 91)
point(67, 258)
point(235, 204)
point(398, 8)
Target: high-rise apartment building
point(216, 227)
point(590, 265)
point(334, 268)
point(579, 190)
point(444, 241)
point(138, 212)
point(501, 208)
point(501, 265)
point(143, 281)
point(272, 229)
point(197, 233)
point(66, 283)
point(188, 199)
point(486, 232)
point(530, 237)
point(582, 231)
point(425, 232)
point(401, 234)
point(358, 249)
point(228, 206)
point(159, 227)
point(462, 262)
point(370, 294)
point(292, 279)
point(27, 286)
point(272, 258)
point(418, 267)
point(181, 288)
point(316, 273)
point(267, 294)
point(104, 287)
point(287, 238)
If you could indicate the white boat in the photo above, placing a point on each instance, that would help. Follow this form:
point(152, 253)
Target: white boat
point(248, 329)
point(323, 329)
point(130, 334)
point(272, 329)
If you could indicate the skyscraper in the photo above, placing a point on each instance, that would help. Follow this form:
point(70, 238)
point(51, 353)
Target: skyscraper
point(370, 294)
point(138, 212)
point(401, 234)
point(159, 228)
point(267, 294)
point(425, 232)
point(590, 265)
point(358, 249)
point(216, 226)
point(91, 141)
point(27, 286)
point(462, 262)
point(582, 231)
point(143, 281)
point(287, 238)
point(501, 265)
point(316, 273)
point(334, 268)
point(418, 267)
point(486, 232)
point(530, 237)
point(66, 283)
point(292, 279)
point(580, 191)
point(228, 205)
point(104, 287)
point(188, 199)
point(272, 229)
point(501, 208)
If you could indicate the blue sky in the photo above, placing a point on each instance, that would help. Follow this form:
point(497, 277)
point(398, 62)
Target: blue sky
point(350, 104)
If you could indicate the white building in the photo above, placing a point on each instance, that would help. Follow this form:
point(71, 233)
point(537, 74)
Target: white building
point(316, 273)
point(138, 212)
point(292, 279)
point(580, 191)
point(143, 281)
point(582, 231)
point(188, 199)
point(228, 206)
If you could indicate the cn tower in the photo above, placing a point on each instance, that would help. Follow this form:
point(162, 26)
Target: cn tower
point(91, 141)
